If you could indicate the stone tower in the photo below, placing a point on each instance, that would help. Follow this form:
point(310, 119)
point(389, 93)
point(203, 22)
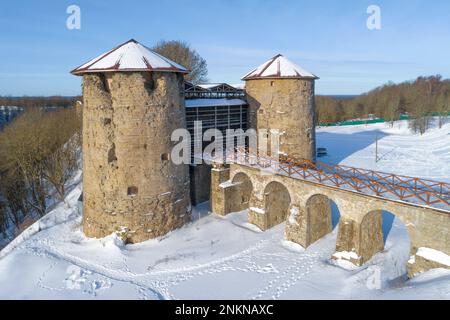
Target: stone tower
point(133, 100)
point(281, 97)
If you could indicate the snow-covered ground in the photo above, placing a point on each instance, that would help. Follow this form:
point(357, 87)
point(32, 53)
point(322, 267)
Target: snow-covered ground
point(226, 258)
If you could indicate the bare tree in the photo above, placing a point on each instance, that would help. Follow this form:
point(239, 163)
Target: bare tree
point(183, 54)
point(443, 107)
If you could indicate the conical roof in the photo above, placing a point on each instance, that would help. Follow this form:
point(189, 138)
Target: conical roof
point(279, 67)
point(130, 56)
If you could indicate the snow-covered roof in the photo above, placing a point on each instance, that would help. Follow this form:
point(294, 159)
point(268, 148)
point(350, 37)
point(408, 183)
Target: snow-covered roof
point(193, 103)
point(279, 67)
point(130, 56)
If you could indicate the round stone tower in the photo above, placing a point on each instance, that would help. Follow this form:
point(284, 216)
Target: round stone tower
point(133, 100)
point(281, 97)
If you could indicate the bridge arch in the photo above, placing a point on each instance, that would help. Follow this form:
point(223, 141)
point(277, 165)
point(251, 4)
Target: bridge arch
point(277, 201)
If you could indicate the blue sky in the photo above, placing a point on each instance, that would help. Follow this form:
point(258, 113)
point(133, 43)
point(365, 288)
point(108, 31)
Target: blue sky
point(326, 37)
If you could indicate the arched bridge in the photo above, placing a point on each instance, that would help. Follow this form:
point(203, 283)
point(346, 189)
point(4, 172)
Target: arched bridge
point(301, 193)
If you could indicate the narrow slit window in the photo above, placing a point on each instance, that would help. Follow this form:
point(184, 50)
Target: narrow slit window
point(105, 83)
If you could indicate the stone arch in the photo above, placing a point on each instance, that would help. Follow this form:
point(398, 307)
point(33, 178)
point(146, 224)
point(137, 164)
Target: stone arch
point(277, 201)
point(244, 190)
point(375, 228)
point(319, 217)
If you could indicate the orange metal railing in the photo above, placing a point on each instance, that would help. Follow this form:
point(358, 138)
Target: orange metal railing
point(374, 183)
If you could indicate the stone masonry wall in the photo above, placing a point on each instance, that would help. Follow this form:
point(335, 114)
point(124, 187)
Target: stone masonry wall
point(286, 105)
point(129, 182)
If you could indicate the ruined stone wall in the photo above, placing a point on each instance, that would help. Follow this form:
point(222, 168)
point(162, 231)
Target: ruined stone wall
point(129, 181)
point(286, 105)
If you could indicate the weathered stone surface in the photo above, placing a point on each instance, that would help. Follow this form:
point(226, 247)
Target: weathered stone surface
point(360, 229)
point(364, 238)
point(371, 236)
point(128, 180)
point(419, 265)
point(297, 226)
point(219, 200)
point(276, 204)
point(286, 105)
point(318, 210)
point(347, 239)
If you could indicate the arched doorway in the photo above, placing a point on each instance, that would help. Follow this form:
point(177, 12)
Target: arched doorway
point(277, 203)
point(243, 191)
point(322, 217)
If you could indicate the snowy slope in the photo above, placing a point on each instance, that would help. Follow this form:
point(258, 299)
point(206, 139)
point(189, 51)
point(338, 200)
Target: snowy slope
point(224, 258)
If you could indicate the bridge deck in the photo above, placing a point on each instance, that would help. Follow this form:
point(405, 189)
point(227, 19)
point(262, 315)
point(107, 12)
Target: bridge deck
point(378, 184)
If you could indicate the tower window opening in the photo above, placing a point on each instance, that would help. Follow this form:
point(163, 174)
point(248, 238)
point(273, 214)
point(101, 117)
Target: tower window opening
point(132, 191)
point(112, 154)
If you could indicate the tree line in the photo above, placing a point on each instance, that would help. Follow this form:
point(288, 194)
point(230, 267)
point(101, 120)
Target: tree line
point(419, 99)
point(39, 152)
